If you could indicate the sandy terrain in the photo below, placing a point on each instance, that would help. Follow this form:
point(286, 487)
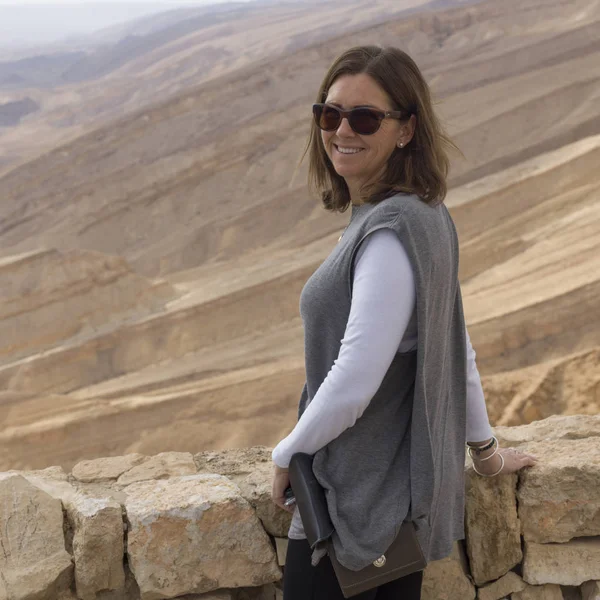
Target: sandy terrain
point(191, 338)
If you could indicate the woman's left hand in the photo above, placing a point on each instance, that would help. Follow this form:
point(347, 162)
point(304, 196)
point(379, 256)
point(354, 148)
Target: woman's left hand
point(513, 460)
point(281, 481)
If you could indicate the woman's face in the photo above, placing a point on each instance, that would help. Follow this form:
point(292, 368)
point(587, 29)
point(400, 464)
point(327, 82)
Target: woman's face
point(361, 159)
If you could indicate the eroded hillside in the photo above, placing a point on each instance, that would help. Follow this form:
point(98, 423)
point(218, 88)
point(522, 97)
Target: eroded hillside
point(215, 230)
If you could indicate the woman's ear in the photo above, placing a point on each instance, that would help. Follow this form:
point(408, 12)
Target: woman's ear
point(407, 131)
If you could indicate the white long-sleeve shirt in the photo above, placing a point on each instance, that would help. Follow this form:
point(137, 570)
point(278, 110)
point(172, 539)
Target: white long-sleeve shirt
point(379, 326)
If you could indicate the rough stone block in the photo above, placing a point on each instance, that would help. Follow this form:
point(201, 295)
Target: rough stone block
point(216, 595)
point(590, 590)
point(559, 498)
point(256, 489)
point(264, 592)
point(33, 563)
point(503, 587)
point(161, 466)
point(447, 579)
point(571, 563)
point(281, 544)
point(556, 427)
point(539, 592)
point(96, 523)
point(493, 530)
point(252, 470)
point(195, 534)
point(107, 469)
point(98, 545)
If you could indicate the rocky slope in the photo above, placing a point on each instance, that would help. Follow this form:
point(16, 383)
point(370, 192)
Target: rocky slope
point(193, 340)
point(160, 57)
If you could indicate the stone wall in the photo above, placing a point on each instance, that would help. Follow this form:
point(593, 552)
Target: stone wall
point(204, 527)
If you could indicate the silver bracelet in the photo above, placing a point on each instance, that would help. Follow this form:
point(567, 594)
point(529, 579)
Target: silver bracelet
point(482, 448)
point(487, 457)
point(493, 474)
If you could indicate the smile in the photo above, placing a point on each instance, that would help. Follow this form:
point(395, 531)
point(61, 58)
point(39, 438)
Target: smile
point(343, 150)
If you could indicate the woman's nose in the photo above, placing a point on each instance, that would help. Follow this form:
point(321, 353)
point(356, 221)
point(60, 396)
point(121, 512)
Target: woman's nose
point(344, 129)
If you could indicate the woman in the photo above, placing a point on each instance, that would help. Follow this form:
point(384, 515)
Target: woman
point(392, 391)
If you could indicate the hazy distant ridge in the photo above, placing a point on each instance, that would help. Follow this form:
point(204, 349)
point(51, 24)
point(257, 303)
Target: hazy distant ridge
point(132, 40)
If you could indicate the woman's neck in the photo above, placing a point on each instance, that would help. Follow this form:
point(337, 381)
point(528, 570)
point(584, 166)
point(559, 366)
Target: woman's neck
point(355, 196)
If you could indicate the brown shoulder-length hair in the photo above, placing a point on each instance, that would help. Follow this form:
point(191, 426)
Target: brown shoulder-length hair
point(421, 167)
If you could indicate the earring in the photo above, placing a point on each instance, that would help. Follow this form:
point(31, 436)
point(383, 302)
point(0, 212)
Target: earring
point(400, 145)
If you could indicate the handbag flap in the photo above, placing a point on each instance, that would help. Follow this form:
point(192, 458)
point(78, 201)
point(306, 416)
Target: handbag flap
point(403, 557)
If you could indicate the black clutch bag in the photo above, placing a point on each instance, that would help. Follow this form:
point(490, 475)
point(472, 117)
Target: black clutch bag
point(403, 557)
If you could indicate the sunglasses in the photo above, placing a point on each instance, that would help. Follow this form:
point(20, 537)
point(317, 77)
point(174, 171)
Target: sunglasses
point(364, 121)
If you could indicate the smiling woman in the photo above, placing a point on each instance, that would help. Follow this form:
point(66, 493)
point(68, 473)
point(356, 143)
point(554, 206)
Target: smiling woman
point(392, 392)
point(360, 154)
point(407, 152)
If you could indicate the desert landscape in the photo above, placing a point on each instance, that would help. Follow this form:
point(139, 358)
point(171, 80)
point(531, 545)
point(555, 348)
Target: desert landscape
point(156, 229)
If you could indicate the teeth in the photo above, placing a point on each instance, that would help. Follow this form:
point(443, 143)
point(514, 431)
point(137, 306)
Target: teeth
point(348, 150)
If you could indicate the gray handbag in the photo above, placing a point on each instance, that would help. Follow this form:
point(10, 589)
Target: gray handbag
point(403, 557)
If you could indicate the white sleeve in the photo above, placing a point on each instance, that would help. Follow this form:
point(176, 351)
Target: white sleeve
point(383, 300)
point(478, 425)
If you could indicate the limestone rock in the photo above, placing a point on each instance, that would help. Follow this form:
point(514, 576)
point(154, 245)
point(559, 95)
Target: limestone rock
point(50, 473)
point(96, 525)
point(590, 590)
point(34, 563)
point(161, 466)
point(571, 563)
point(216, 595)
point(539, 592)
point(281, 545)
point(252, 470)
point(556, 427)
point(131, 590)
point(195, 534)
point(106, 469)
point(506, 585)
point(559, 498)
point(235, 463)
point(103, 490)
point(493, 530)
point(256, 489)
point(264, 592)
point(447, 579)
point(59, 489)
point(98, 545)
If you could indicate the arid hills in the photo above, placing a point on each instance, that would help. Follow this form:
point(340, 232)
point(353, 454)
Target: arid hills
point(57, 97)
point(153, 249)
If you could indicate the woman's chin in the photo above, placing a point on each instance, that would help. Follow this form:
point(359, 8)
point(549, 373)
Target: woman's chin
point(346, 171)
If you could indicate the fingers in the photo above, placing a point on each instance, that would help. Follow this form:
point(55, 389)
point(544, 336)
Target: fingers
point(527, 460)
point(280, 483)
point(281, 503)
point(514, 460)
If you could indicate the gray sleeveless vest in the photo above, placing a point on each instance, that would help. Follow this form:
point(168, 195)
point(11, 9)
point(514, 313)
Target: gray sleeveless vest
point(404, 457)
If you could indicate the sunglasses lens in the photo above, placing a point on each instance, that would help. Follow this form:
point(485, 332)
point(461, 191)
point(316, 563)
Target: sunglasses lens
point(364, 121)
point(326, 117)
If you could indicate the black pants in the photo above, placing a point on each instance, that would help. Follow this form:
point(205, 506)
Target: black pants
point(302, 581)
